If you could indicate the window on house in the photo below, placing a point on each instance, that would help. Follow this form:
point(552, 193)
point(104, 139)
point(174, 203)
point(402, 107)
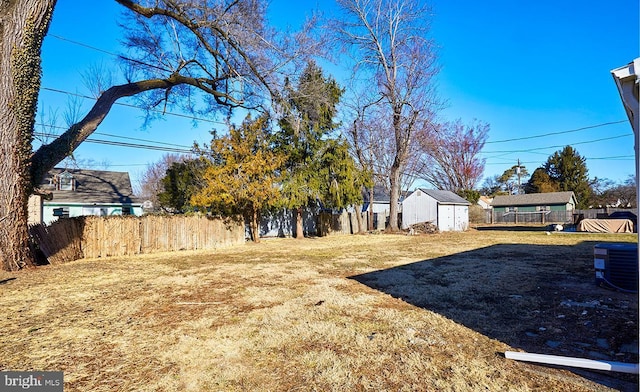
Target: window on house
point(66, 182)
point(62, 212)
point(127, 211)
point(96, 211)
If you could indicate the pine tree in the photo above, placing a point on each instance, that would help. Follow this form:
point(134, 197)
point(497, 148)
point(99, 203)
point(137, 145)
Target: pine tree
point(244, 176)
point(568, 170)
point(341, 182)
point(306, 125)
point(540, 182)
point(182, 179)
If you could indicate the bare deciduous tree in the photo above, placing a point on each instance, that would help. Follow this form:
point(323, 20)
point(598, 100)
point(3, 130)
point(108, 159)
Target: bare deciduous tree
point(388, 41)
point(180, 51)
point(150, 185)
point(452, 153)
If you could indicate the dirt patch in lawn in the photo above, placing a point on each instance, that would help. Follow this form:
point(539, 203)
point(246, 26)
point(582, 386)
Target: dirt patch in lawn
point(375, 312)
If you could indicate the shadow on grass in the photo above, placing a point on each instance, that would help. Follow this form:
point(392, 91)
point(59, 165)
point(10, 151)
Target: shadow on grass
point(542, 299)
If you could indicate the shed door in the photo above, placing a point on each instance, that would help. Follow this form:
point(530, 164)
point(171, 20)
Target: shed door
point(446, 217)
point(461, 218)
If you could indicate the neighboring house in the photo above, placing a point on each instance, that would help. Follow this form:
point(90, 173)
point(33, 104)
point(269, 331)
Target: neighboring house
point(85, 192)
point(535, 202)
point(379, 206)
point(445, 209)
point(543, 207)
point(485, 202)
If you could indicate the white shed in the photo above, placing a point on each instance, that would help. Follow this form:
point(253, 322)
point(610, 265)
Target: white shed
point(445, 209)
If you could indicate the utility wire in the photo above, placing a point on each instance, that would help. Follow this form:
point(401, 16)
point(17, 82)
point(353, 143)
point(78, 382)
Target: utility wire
point(560, 146)
point(110, 135)
point(556, 133)
point(119, 56)
point(134, 106)
point(617, 158)
point(127, 59)
point(218, 122)
point(132, 145)
point(183, 149)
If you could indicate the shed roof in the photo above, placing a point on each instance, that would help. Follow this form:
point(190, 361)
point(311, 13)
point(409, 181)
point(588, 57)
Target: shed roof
point(445, 197)
point(92, 187)
point(534, 199)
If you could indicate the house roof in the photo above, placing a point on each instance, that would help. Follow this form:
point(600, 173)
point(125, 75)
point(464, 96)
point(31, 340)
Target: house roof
point(91, 187)
point(445, 197)
point(381, 195)
point(536, 199)
point(486, 200)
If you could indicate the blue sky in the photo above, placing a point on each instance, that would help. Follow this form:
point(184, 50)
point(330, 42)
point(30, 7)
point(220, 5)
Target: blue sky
point(528, 68)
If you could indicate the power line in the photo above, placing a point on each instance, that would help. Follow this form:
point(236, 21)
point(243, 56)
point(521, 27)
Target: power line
point(109, 53)
point(134, 106)
point(617, 158)
point(557, 133)
point(131, 145)
point(111, 135)
point(560, 146)
point(127, 59)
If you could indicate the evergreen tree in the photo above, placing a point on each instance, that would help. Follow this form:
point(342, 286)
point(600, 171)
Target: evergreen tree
point(306, 124)
point(540, 182)
point(244, 175)
point(181, 181)
point(511, 180)
point(568, 170)
point(341, 182)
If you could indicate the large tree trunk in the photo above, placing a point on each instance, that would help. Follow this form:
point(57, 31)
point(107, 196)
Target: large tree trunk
point(23, 25)
point(393, 199)
point(255, 222)
point(371, 209)
point(402, 135)
point(299, 224)
point(358, 213)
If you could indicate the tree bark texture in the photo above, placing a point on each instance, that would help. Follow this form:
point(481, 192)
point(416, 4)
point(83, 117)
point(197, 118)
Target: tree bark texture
point(359, 220)
point(370, 226)
point(393, 197)
point(23, 25)
point(255, 225)
point(299, 224)
point(402, 136)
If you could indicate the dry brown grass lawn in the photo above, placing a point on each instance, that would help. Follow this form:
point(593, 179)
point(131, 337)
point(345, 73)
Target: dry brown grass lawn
point(344, 313)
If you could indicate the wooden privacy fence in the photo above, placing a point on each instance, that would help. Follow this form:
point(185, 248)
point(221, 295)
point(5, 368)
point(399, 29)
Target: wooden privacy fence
point(91, 237)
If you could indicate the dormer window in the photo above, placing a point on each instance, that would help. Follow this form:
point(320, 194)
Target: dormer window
point(66, 182)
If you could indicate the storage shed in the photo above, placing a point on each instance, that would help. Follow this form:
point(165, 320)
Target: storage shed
point(445, 209)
